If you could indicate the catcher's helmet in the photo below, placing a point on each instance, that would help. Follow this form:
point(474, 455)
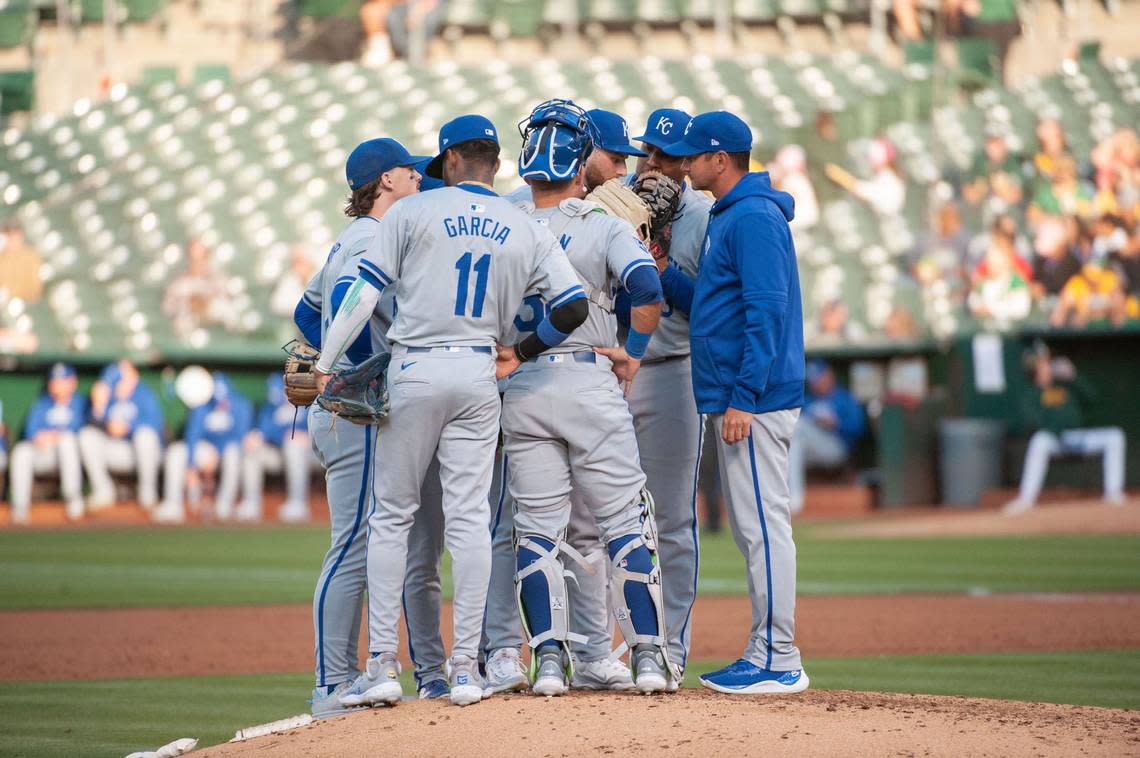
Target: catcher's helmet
point(557, 139)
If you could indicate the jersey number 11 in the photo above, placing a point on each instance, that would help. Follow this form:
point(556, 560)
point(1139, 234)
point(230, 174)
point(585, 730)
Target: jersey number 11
point(463, 266)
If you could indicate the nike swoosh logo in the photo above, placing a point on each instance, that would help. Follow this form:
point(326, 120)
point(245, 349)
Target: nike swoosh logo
point(405, 364)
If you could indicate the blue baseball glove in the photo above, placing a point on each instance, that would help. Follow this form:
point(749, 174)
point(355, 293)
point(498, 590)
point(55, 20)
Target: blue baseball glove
point(360, 393)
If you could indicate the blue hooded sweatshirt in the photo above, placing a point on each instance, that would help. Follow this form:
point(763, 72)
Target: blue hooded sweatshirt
point(745, 317)
point(223, 421)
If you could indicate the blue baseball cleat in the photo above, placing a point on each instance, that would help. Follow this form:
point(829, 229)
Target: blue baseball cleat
point(434, 689)
point(746, 678)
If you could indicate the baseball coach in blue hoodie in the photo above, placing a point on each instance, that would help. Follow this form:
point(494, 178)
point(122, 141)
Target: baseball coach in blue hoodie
point(746, 335)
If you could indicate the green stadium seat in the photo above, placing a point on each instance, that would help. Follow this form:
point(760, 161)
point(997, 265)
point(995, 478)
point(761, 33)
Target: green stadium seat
point(975, 62)
point(468, 14)
point(17, 24)
point(754, 11)
point(611, 12)
point(325, 8)
point(660, 12)
point(920, 51)
point(91, 11)
point(154, 74)
point(144, 10)
point(207, 72)
point(520, 18)
point(17, 91)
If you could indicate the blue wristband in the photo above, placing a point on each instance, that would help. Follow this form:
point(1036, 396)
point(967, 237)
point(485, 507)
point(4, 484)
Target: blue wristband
point(636, 343)
point(549, 333)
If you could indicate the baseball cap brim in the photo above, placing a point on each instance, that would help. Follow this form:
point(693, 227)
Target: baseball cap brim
point(623, 150)
point(683, 149)
point(650, 139)
point(434, 168)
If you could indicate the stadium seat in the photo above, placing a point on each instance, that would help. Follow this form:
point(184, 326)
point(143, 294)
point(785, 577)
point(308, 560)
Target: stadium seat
point(17, 23)
point(325, 8)
point(975, 62)
point(143, 10)
point(17, 91)
point(156, 74)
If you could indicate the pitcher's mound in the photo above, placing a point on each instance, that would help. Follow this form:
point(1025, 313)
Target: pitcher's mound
point(702, 723)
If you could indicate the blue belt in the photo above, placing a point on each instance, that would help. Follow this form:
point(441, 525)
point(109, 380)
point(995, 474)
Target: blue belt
point(452, 349)
point(582, 356)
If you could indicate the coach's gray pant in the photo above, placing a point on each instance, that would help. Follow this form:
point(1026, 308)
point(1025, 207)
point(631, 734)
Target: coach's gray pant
point(669, 434)
point(754, 475)
point(103, 454)
point(445, 404)
point(228, 470)
point(62, 458)
point(294, 458)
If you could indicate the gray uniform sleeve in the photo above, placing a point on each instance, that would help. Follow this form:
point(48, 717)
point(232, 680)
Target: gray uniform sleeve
point(380, 263)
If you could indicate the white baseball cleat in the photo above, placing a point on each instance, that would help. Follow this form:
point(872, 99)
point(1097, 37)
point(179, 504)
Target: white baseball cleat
point(327, 704)
point(169, 513)
point(549, 673)
point(466, 684)
point(676, 678)
point(505, 671)
point(604, 674)
point(296, 512)
point(1014, 507)
point(378, 685)
point(650, 674)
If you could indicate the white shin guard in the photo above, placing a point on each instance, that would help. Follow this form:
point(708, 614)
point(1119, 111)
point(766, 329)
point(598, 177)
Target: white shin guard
point(549, 565)
point(620, 575)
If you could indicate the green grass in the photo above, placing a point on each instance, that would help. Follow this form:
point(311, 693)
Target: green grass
point(142, 567)
point(113, 718)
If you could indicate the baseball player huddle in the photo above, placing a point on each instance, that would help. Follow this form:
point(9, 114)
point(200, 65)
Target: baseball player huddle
point(553, 355)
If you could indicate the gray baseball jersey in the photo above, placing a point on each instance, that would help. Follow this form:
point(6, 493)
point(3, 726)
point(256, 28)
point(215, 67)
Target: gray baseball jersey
point(493, 252)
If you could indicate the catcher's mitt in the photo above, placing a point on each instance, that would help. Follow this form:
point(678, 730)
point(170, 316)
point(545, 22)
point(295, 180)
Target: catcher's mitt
point(662, 195)
point(619, 200)
point(360, 393)
point(300, 382)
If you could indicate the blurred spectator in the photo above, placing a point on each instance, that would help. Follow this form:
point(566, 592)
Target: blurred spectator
point(906, 19)
point(1126, 263)
point(885, 191)
point(834, 324)
point(1000, 292)
point(279, 444)
point(399, 27)
point(1095, 292)
point(50, 445)
point(1055, 262)
point(942, 255)
point(1052, 147)
point(1064, 194)
point(995, 20)
point(789, 173)
point(198, 296)
point(1003, 224)
point(1055, 407)
point(994, 173)
point(830, 423)
point(292, 283)
point(210, 450)
point(125, 435)
point(19, 267)
point(901, 324)
point(1116, 162)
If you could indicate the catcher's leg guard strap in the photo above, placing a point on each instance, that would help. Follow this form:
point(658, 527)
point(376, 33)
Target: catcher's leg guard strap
point(635, 582)
point(540, 585)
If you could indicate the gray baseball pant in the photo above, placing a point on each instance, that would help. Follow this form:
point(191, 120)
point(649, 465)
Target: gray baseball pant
point(754, 476)
point(295, 458)
point(29, 460)
point(103, 455)
point(228, 473)
point(669, 438)
point(444, 403)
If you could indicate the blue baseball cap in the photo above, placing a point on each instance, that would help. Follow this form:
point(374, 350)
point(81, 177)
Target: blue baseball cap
point(664, 126)
point(372, 158)
point(427, 182)
point(712, 132)
point(111, 374)
point(815, 369)
point(612, 132)
point(456, 132)
point(61, 371)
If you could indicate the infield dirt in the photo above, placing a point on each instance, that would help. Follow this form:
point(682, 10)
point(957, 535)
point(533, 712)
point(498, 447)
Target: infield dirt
point(703, 723)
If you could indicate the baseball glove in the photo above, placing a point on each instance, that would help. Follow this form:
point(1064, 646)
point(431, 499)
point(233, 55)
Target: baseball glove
point(619, 200)
point(662, 195)
point(360, 393)
point(300, 382)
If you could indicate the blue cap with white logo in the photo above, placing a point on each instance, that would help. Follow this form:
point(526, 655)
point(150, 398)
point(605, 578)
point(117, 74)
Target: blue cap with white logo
point(376, 156)
point(456, 132)
point(61, 371)
point(665, 125)
point(711, 133)
point(611, 132)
